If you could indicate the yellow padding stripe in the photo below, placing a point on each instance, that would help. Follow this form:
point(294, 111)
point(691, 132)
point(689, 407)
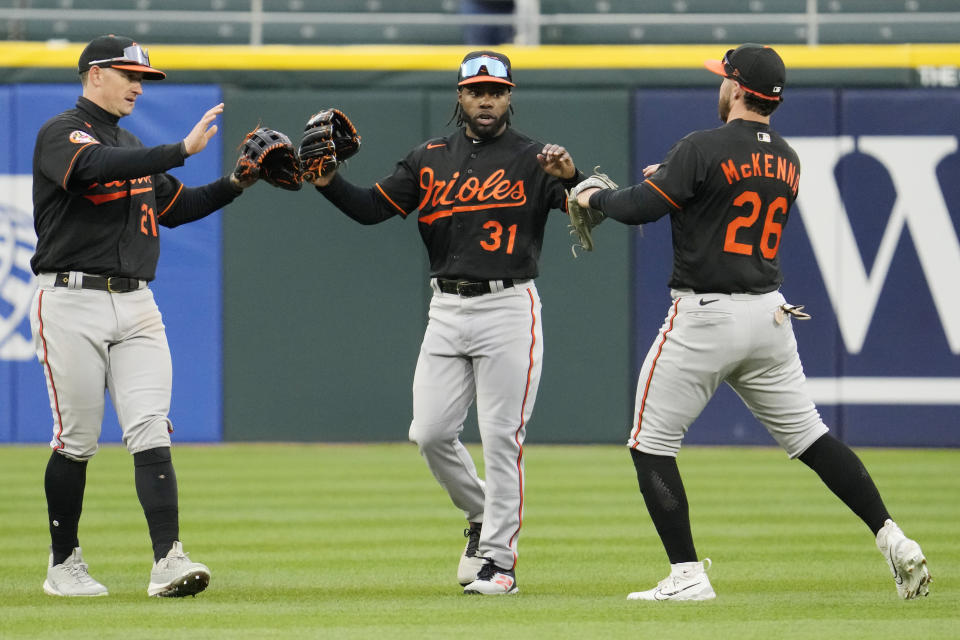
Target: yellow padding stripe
point(445, 58)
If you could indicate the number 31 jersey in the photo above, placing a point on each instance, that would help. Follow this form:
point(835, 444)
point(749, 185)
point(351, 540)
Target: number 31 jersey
point(730, 190)
point(482, 205)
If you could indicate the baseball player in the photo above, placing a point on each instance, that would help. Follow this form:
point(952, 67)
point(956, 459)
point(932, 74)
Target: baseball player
point(100, 198)
point(728, 192)
point(481, 197)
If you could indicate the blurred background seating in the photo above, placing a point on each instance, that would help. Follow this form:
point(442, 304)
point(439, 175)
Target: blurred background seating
point(485, 22)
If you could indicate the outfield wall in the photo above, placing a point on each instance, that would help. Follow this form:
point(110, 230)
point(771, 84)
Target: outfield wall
point(322, 318)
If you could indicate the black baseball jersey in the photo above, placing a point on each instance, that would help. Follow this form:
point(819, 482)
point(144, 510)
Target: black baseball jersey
point(728, 192)
point(481, 205)
point(100, 196)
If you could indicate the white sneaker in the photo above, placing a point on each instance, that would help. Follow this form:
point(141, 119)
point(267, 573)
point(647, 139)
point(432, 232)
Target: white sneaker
point(493, 581)
point(70, 578)
point(906, 561)
point(175, 576)
point(471, 561)
point(687, 581)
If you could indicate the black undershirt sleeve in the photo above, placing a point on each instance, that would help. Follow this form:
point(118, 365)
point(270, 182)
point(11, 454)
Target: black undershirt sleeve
point(637, 204)
point(363, 205)
point(194, 203)
point(100, 163)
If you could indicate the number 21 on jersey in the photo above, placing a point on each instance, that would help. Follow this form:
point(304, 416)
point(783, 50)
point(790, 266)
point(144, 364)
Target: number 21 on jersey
point(769, 240)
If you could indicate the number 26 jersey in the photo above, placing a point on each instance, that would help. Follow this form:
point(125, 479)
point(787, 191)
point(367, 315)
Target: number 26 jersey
point(730, 191)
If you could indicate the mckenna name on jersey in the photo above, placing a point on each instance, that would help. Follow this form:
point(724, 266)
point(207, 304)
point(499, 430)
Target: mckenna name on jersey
point(443, 198)
point(762, 165)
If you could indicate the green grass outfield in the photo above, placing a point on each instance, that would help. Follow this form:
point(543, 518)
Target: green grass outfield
point(358, 541)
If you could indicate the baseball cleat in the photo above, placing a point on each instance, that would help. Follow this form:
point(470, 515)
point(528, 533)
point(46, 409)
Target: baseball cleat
point(493, 581)
point(175, 576)
point(687, 581)
point(70, 578)
point(470, 562)
point(906, 561)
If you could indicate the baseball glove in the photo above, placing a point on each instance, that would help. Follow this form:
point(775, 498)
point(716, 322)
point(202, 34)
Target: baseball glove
point(329, 138)
point(268, 155)
point(584, 219)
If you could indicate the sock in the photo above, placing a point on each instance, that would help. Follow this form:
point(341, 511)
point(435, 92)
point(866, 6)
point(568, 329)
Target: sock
point(666, 502)
point(63, 483)
point(843, 472)
point(157, 489)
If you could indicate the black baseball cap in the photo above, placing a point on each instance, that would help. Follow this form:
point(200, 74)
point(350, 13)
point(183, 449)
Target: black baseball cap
point(485, 66)
point(118, 52)
point(755, 67)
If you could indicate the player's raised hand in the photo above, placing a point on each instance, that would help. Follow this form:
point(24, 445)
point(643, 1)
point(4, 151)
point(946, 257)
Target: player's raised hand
point(650, 169)
point(196, 141)
point(556, 161)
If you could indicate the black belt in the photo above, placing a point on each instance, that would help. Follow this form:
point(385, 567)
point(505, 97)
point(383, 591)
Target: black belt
point(113, 284)
point(470, 288)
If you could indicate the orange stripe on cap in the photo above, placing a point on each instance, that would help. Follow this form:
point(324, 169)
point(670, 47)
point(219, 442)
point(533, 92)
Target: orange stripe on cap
point(758, 94)
point(662, 193)
point(653, 366)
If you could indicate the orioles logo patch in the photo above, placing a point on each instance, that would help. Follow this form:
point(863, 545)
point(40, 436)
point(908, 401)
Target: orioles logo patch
point(81, 137)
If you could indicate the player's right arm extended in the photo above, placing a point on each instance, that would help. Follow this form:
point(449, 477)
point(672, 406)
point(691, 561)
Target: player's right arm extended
point(641, 203)
point(365, 206)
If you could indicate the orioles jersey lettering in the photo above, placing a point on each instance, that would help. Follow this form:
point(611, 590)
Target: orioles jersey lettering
point(482, 205)
point(472, 195)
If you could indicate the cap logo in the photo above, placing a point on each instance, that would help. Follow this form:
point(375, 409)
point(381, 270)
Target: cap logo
point(776, 89)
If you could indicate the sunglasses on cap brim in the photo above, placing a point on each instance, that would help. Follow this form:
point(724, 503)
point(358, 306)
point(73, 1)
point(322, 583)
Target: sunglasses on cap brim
point(134, 54)
point(492, 68)
point(737, 76)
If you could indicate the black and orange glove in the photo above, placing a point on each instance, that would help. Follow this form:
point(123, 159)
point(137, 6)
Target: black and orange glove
point(266, 154)
point(329, 138)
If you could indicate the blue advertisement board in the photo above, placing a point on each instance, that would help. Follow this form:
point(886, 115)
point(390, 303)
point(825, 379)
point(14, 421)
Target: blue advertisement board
point(188, 283)
point(871, 248)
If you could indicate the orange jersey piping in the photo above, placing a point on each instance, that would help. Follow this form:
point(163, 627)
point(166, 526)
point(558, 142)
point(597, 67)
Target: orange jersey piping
point(665, 196)
point(653, 366)
point(175, 196)
point(384, 194)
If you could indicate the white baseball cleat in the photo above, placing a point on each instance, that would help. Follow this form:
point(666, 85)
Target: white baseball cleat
point(471, 561)
point(687, 581)
point(70, 578)
point(906, 561)
point(493, 581)
point(175, 576)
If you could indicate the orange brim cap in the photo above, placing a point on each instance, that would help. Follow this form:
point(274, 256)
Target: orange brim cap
point(476, 79)
point(148, 72)
point(716, 66)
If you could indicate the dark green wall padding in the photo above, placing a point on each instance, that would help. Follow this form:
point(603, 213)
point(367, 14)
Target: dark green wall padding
point(323, 317)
